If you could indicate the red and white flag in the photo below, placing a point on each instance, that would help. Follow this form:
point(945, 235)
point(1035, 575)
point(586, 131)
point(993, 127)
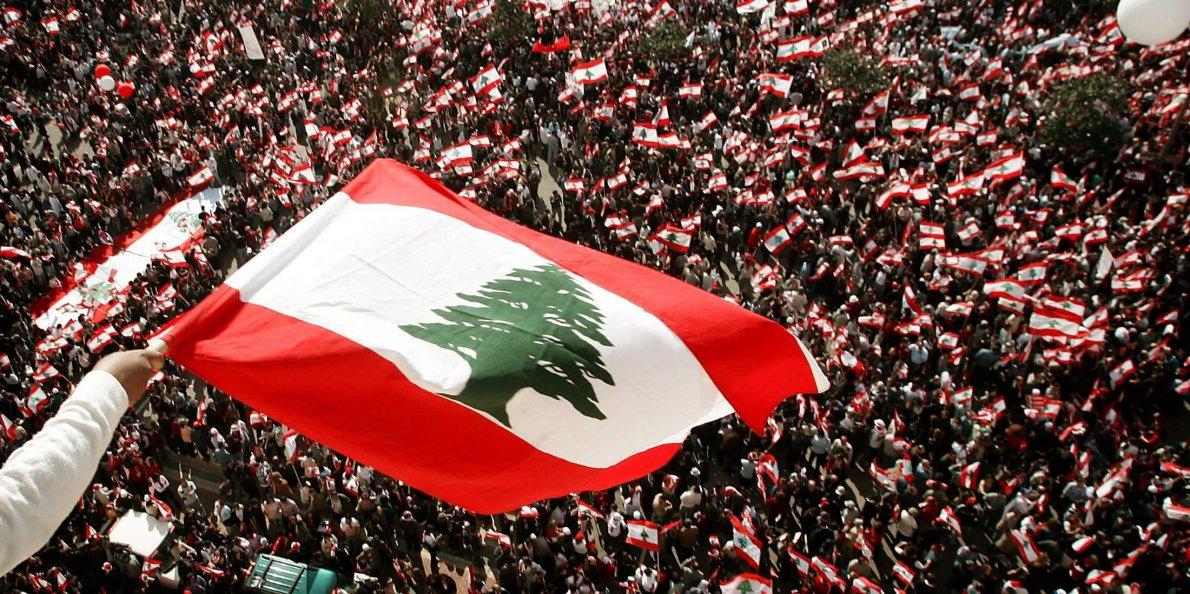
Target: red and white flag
point(10, 253)
point(1025, 546)
point(747, 583)
point(645, 535)
point(586, 508)
point(931, 235)
point(1006, 168)
point(1060, 181)
point(904, 572)
point(863, 585)
point(672, 237)
point(486, 80)
point(912, 124)
point(777, 240)
point(969, 476)
point(751, 6)
point(589, 73)
point(1121, 372)
point(1032, 274)
point(201, 178)
point(775, 83)
point(796, 48)
point(1175, 512)
point(427, 286)
point(707, 121)
point(748, 546)
point(1005, 287)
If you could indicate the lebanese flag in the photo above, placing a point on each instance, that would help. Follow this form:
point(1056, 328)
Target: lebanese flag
point(11, 253)
point(37, 401)
point(946, 516)
point(931, 235)
point(1121, 372)
point(660, 12)
point(1060, 181)
point(673, 237)
point(777, 240)
point(645, 535)
point(1041, 324)
point(1081, 545)
point(486, 80)
point(796, 48)
point(8, 428)
point(863, 585)
point(747, 583)
point(1005, 287)
point(101, 338)
point(441, 394)
point(800, 562)
point(751, 6)
point(1032, 274)
point(969, 92)
point(1175, 512)
point(1025, 546)
point(916, 124)
point(904, 572)
point(457, 155)
point(201, 178)
point(966, 186)
point(707, 121)
point(828, 571)
point(1006, 168)
point(747, 545)
point(775, 83)
point(589, 73)
point(501, 540)
point(969, 476)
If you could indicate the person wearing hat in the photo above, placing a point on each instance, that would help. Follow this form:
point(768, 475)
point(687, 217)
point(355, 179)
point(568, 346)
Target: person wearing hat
point(41, 481)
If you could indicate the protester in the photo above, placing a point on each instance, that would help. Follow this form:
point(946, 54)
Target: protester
point(979, 435)
point(42, 480)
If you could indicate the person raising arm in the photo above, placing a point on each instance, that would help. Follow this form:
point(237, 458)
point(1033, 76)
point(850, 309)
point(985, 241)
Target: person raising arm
point(42, 480)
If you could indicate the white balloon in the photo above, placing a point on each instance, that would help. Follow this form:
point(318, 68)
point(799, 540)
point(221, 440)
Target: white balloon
point(1153, 22)
point(107, 83)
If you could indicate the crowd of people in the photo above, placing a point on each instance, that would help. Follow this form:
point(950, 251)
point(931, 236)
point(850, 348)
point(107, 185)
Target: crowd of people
point(999, 318)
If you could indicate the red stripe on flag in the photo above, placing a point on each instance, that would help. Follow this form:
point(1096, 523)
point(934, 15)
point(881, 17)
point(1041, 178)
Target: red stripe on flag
point(418, 436)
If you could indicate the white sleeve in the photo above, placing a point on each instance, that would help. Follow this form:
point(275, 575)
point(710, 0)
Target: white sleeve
point(43, 480)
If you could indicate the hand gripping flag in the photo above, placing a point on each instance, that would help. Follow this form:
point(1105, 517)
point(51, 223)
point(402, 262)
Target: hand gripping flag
point(479, 361)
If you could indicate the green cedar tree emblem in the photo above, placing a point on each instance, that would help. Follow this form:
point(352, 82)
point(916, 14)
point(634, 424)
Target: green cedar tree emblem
point(534, 328)
point(186, 221)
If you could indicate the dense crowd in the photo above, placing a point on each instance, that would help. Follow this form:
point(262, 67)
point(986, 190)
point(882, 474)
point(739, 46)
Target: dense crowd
point(979, 435)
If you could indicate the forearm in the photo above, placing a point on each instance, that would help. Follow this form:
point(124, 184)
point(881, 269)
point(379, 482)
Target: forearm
point(43, 480)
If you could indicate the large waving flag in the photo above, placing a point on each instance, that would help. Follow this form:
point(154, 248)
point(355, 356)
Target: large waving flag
point(477, 360)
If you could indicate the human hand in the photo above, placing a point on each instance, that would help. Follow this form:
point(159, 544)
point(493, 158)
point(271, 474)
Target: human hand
point(133, 370)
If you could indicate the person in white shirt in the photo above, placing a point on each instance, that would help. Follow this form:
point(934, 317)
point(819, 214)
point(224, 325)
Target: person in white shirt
point(43, 479)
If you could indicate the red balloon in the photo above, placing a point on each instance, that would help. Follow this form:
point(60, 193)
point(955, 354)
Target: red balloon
point(102, 70)
point(125, 89)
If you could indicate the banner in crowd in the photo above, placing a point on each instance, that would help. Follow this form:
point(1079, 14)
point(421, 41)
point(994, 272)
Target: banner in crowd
point(251, 43)
point(480, 361)
point(102, 279)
